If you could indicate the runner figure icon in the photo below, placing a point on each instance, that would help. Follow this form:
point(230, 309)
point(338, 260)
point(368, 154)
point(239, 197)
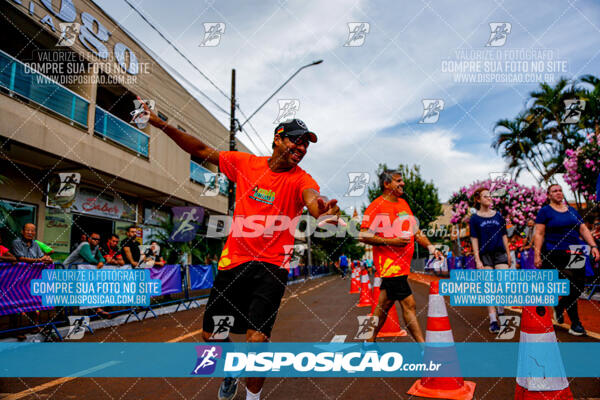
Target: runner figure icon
point(186, 223)
point(207, 359)
point(223, 324)
point(366, 326)
point(508, 327)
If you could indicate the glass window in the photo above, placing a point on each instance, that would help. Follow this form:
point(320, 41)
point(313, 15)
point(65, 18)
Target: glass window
point(13, 215)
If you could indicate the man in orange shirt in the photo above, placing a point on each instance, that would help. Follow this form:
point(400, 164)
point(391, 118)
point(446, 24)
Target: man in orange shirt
point(270, 194)
point(389, 226)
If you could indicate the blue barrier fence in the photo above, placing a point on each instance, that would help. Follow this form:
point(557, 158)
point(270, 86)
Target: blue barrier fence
point(15, 297)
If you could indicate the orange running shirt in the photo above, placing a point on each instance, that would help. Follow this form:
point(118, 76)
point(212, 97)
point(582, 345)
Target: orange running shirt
point(389, 219)
point(265, 203)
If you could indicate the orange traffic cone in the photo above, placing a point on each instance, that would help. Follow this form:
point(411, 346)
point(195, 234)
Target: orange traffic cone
point(536, 327)
point(439, 331)
point(354, 281)
point(391, 327)
point(376, 290)
point(365, 291)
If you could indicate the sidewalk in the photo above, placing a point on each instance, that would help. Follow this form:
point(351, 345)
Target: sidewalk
point(589, 310)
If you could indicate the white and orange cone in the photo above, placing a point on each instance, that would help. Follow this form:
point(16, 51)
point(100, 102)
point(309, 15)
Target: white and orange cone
point(365, 299)
point(354, 281)
point(440, 333)
point(536, 327)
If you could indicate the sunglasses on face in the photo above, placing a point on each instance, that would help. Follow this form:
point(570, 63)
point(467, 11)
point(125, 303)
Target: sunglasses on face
point(298, 140)
point(95, 238)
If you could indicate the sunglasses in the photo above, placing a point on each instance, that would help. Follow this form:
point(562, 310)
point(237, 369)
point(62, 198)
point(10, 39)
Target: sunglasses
point(95, 238)
point(298, 139)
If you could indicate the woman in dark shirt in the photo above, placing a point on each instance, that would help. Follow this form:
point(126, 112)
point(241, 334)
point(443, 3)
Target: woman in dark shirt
point(558, 227)
point(489, 241)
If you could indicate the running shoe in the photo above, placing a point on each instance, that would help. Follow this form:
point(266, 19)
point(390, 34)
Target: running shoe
point(494, 328)
point(228, 389)
point(577, 329)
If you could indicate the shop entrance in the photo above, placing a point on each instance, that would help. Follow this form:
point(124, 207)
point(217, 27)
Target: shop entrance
point(86, 224)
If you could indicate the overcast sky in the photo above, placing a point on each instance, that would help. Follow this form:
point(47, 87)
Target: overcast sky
point(365, 101)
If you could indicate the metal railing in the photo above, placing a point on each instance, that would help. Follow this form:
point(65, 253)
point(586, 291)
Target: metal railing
point(111, 127)
point(21, 79)
point(206, 177)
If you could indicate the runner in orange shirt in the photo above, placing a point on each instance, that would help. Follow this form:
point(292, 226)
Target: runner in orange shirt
point(389, 226)
point(270, 193)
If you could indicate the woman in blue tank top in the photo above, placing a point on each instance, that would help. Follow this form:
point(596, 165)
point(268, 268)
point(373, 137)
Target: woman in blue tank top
point(558, 232)
point(490, 242)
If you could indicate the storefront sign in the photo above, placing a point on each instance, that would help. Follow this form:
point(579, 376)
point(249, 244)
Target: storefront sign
point(57, 230)
point(103, 204)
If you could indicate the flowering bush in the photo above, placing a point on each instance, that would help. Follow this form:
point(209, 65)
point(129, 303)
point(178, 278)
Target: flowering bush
point(517, 202)
point(582, 166)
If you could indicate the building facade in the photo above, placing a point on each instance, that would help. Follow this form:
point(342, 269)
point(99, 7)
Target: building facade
point(69, 75)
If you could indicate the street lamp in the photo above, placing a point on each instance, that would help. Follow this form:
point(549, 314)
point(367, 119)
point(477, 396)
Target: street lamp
point(234, 125)
point(280, 87)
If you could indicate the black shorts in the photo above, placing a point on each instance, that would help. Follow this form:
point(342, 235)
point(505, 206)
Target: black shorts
point(493, 258)
point(396, 288)
point(251, 293)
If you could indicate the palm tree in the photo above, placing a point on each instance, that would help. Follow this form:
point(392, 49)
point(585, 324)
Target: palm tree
point(555, 137)
point(589, 90)
point(517, 139)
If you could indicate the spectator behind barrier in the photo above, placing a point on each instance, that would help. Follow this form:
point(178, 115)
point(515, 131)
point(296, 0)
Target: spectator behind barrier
point(5, 254)
point(151, 257)
point(87, 252)
point(26, 249)
point(110, 251)
point(130, 248)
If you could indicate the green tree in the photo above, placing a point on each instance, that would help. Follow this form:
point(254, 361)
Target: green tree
point(422, 196)
point(537, 138)
point(327, 250)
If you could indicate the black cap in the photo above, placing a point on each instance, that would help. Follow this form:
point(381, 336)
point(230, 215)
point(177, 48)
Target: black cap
point(295, 127)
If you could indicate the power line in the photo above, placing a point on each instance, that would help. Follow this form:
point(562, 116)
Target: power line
point(254, 129)
point(176, 48)
point(202, 74)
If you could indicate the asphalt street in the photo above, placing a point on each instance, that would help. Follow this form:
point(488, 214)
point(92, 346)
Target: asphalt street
point(314, 311)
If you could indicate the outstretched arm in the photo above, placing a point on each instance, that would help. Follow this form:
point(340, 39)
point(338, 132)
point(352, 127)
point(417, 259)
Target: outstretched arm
point(318, 205)
point(187, 142)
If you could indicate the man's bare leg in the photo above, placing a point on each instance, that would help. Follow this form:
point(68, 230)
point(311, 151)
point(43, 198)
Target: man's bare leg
point(254, 385)
point(409, 308)
point(381, 312)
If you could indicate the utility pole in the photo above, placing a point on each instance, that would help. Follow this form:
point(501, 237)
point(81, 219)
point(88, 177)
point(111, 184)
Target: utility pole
point(232, 129)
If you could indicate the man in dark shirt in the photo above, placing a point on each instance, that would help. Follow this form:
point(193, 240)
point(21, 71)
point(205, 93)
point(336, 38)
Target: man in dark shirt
point(130, 247)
